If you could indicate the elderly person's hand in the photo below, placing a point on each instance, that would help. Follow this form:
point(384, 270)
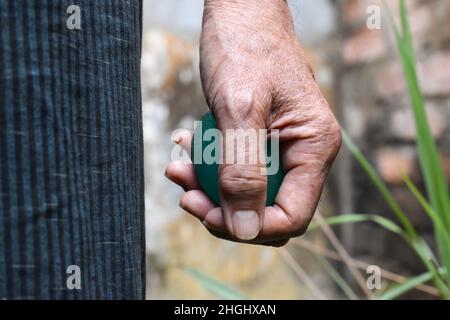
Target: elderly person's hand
point(254, 75)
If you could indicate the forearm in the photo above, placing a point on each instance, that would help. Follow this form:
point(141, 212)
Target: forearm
point(244, 31)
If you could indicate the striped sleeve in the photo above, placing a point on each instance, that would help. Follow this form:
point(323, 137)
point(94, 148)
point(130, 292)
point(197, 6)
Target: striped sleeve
point(71, 151)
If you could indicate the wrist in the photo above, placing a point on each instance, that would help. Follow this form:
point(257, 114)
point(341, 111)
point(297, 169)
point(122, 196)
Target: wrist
point(256, 15)
point(250, 5)
point(245, 2)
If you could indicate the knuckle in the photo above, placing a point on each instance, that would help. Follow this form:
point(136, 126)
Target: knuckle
point(242, 99)
point(326, 133)
point(231, 97)
point(240, 105)
point(311, 71)
point(334, 136)
point(242, 182)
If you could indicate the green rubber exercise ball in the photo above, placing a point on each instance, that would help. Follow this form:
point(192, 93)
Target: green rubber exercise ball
point(207, 174)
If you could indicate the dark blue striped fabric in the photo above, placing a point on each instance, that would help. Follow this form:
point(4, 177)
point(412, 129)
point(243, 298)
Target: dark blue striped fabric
point(71, 151)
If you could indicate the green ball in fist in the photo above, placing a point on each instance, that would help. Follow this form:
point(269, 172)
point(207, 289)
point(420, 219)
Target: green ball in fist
point(204, 154)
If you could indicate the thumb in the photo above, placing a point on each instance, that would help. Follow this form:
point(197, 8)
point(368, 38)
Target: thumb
point(242, 179)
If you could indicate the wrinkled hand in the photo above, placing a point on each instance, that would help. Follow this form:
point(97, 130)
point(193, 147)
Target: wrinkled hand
point(254, 75)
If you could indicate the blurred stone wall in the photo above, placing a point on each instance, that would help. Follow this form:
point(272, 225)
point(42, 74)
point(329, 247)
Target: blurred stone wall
point(375, 109)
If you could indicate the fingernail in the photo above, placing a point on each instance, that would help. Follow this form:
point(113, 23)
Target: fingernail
point(245, 224)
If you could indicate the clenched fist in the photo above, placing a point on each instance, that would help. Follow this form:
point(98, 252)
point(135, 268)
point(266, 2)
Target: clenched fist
point(254, 75)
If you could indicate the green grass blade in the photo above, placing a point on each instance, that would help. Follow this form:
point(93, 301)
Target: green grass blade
point(411, 236)
point(214, 286)
point(435, 218)
point(436, 185)
point(434, 177)
point(381, 186)
point(426, 255)
point(439, 225)
point(406, 32)
point(346, 289)
point(356, 217)
point(400, 289)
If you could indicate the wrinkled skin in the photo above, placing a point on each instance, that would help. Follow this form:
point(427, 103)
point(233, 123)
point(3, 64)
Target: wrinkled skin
point(254, 75)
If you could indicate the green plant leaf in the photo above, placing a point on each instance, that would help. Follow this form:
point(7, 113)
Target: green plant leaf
point(427, 257)
point(399, 289)
point(411, 236)
point(356, 217)
point(214, 286)
point(439, 225)
point(435, 218)
point(437, 188)
point(381, 186)
point(406, 32)
point(436, 185)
